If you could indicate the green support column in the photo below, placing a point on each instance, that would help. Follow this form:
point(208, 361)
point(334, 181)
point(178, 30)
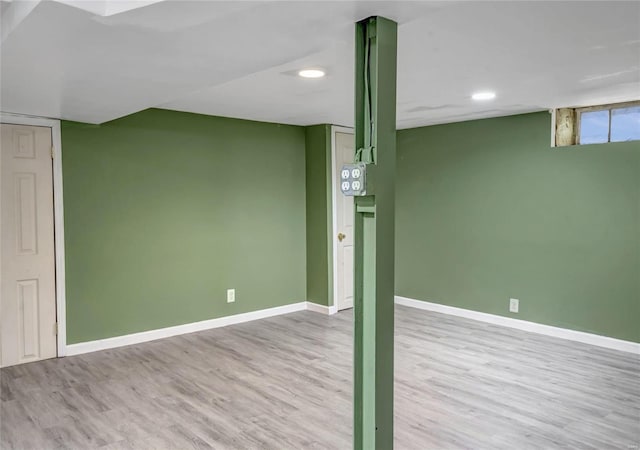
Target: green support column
point(375, 134)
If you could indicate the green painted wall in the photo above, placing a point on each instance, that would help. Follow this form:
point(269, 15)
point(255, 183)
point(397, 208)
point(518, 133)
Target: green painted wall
point(166, 210)
point(319, 215)
point(486, 210)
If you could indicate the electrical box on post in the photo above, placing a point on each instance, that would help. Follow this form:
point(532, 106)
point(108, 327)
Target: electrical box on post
point(353, 179)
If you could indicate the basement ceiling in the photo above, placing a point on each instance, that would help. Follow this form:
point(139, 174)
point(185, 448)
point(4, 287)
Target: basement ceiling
point(95, 61)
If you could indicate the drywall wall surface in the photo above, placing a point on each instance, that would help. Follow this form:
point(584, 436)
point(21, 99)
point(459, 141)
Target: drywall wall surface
point(319, 227)
point(165, 211)
point(487, 211)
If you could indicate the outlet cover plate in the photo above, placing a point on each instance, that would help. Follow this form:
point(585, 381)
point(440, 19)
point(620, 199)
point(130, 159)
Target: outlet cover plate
point(514, 305)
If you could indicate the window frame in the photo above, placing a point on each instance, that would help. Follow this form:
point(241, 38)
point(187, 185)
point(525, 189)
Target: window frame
point(608, 107)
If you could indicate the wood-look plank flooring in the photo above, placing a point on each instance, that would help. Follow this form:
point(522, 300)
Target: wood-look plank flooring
point(285, 383)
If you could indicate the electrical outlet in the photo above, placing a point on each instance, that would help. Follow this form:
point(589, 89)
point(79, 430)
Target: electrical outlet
point(231, 295)
point(514, 305)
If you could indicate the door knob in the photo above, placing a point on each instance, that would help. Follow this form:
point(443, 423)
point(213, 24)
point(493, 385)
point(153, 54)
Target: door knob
point(341, 237)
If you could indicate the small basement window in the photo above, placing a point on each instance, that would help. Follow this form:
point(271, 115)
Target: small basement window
point(597, 124)
point(610, 124)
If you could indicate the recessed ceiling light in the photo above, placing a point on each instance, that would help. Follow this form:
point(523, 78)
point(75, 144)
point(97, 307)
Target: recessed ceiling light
point(311, 73)
point(484, 96)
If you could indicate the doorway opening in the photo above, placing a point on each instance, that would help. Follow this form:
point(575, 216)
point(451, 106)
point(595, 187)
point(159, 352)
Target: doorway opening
point(342, 152)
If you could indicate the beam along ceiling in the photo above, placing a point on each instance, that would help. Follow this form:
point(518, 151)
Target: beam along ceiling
point(95, 61)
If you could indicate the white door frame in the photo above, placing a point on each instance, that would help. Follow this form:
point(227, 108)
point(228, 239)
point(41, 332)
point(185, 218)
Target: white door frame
point(334, 213)
point(58, 216)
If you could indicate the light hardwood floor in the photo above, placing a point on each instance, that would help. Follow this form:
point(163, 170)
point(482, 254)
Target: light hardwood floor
point(285, 383)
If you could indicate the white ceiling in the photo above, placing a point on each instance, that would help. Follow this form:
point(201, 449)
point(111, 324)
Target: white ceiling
point(94, 61)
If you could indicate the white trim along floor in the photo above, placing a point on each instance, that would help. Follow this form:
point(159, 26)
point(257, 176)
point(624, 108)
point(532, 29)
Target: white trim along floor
point(151, 335)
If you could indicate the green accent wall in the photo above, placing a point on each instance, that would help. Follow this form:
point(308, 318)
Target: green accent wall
point(487, 210)
point(164, 211)
point(319, 214)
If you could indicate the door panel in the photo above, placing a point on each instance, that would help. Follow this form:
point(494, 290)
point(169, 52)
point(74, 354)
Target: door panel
point(28, 307)
point(345, 216)
point(25, 201)
point(27, 260)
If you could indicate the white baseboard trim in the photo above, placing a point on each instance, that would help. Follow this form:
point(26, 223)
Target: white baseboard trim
point(151, 335)
point(532, 327)
point(322, 309)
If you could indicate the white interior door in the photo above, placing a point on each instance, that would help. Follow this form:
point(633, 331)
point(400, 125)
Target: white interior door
point(27, 260)
point(344, 154)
